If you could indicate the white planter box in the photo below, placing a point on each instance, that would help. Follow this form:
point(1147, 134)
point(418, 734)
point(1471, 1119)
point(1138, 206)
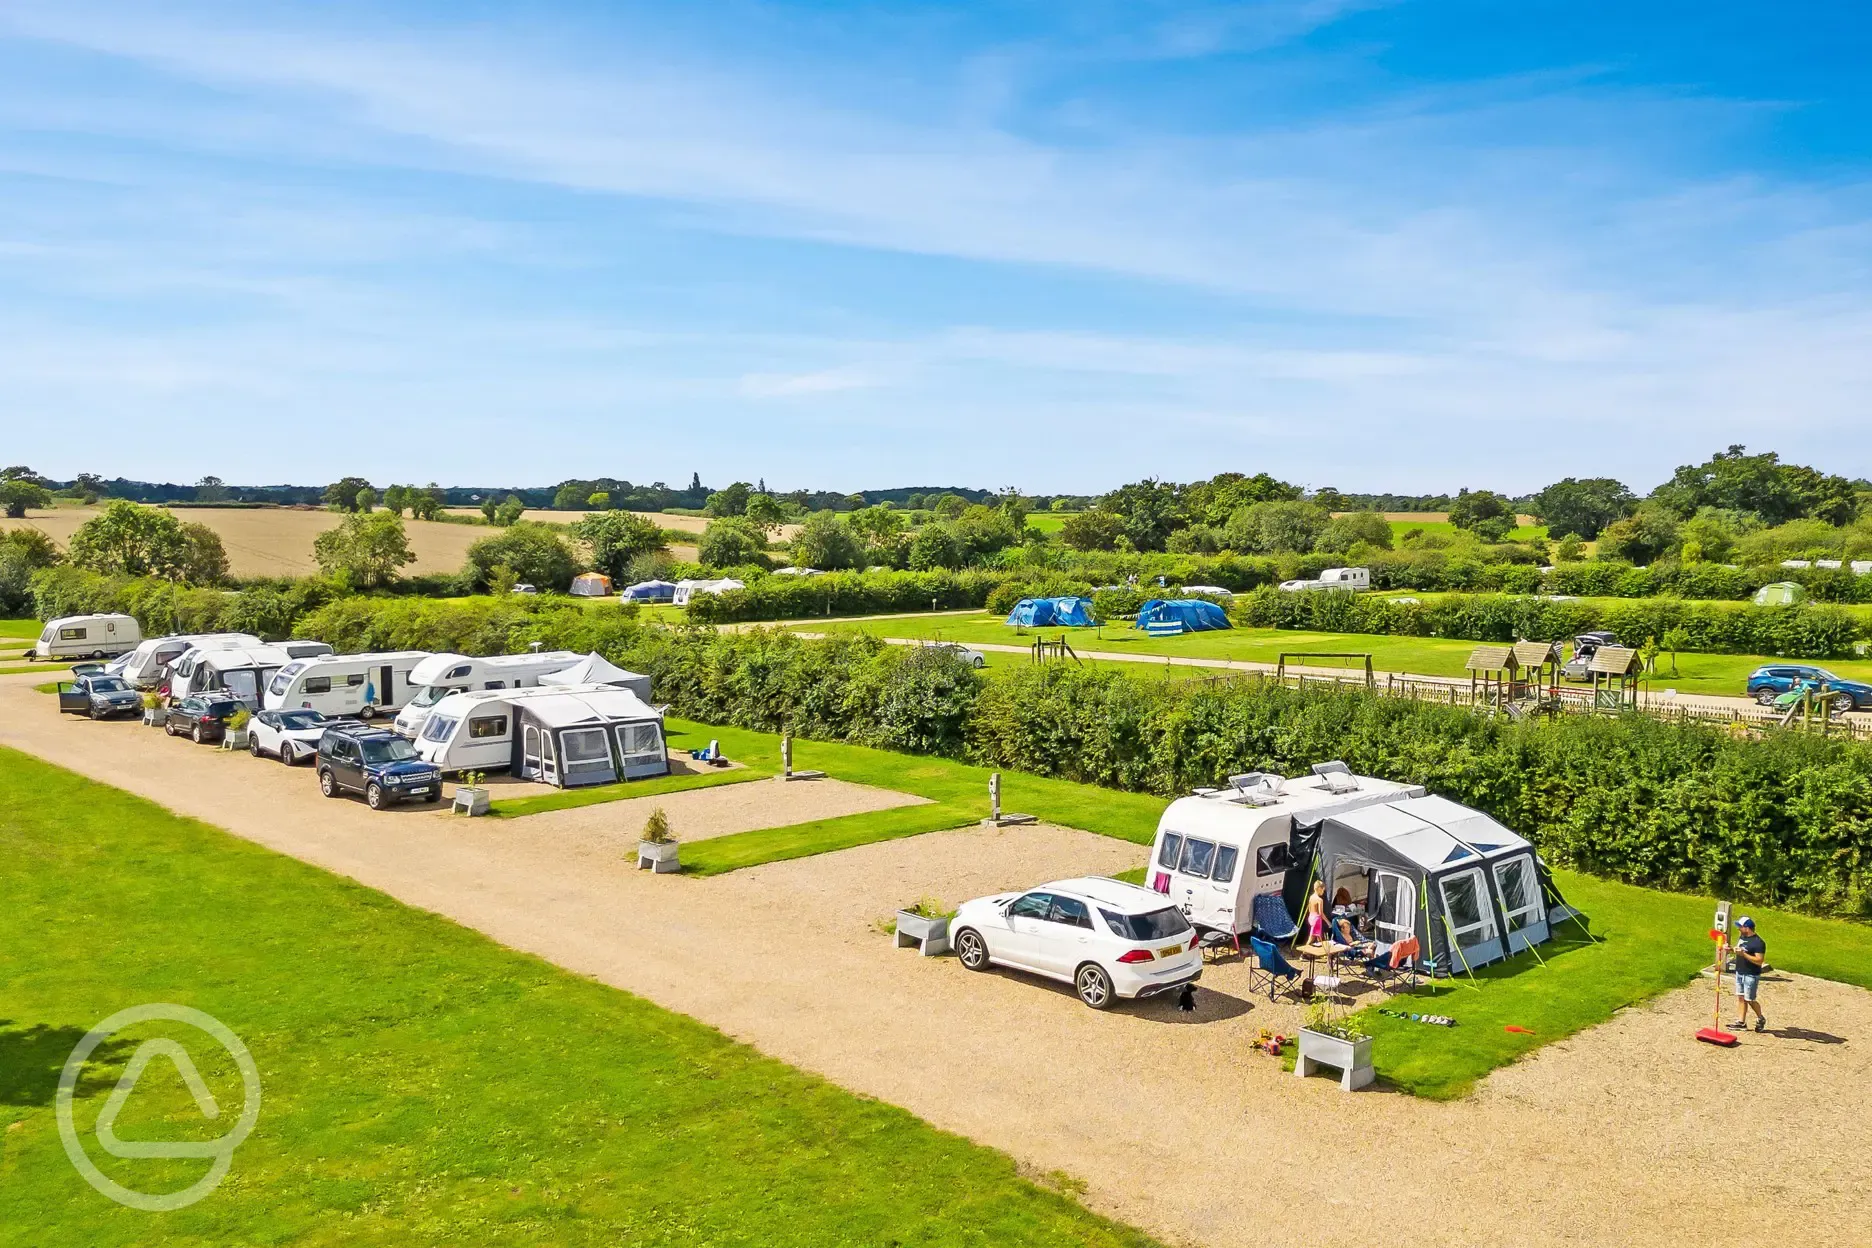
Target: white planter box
point(930, 936)
point(660, 858)
point(234, 739)
point(470, 800)
point(153, 716)
point(1351, 1057)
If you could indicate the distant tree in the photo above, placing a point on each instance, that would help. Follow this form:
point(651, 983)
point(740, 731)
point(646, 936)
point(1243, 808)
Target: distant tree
point(949, 506)
point(1642, 537)
point(1061, 504)
point(396, 498)
point(18, 494)
point(1483, 512)
point(936, 546)
point(732, 544)
point(984, 529)
point(599, 500)
point(1734, 480)
point(31, 546)
point(1354, 528)
point(1094, 529)
point(826, 542)
point(131, 539)
point(210, 490)
point(1148, 512)
point(1332, 500)
point(1276, 527)
point(571, 496)
point(616, 538)
point(1570, 549)
point(203, 559)
point(1583, 507)
point(342, 495)
point(490, 507)
point(533, 552)
point(730, 502)
point(1197, 539)
point(695, 483)
point(89, 487)
point(510, 511)
point(366, 549)
point(1214, 501)
point(20, 472)
point(877, 525)
point(367, 500)
point(426, 504)
point(765, 512)
point(1712, 534)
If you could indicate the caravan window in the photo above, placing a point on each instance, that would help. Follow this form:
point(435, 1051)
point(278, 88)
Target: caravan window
point(495, 684)
point(639, 741)
point(316, 684)
point(1167, 853)
point(1393, 906)
point(438, 728)
point(1224, 864)
point(455, 673)
point(488, 726)
point(243, 684)
point(1463, 904)
point(1520, 899)
point(284, 679)
point(1273, 859)
point(354, 679)
point(585, 750)
point(1197, 856)
point(71, 634)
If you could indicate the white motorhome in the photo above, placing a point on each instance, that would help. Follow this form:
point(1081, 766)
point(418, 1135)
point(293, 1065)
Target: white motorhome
point(442, 674)
point(242, 671)
point(364, 685)
point(1217, 851)
point(87, 637)
point(564, 735)
point(148, 664)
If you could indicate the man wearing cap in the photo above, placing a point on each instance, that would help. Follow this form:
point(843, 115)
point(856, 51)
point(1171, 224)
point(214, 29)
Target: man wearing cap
point(1751, 954)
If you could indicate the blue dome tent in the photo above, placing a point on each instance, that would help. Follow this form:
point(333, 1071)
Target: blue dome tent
point(1052, 613)
point(1167, 617)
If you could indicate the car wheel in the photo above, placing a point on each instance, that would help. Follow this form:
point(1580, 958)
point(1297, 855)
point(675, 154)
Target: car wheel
point(286, 753)
point(971, 949)
point(980, 662)
point(195, 734)
point(168, 729)
point(253, 745)
point(97, 654)
point(1766, 697)
point(1094, 986)
point(374, 796)
point(1842, 702)
point(91, 712)
point(327, 785)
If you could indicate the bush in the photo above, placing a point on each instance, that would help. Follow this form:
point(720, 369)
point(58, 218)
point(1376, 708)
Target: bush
point(847, 593)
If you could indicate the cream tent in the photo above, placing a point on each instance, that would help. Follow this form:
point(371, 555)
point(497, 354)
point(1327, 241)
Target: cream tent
point(595, 669)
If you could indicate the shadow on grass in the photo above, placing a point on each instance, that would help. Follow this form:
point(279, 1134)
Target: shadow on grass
point(33, 1054)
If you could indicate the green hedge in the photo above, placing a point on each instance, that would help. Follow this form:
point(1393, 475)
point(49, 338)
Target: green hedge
point(847, 593)
point(1806, 631)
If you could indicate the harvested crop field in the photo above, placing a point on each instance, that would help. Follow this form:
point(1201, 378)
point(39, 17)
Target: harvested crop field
point(277, 541)
point(1624, 1134)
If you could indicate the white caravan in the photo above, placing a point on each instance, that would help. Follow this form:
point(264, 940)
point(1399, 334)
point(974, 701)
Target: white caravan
point(687, 589)
point(87, 637)
point(364, 685)
point(476, 732)
point(148, 664)
point(1351, 580)
point(1217, 851)
point(442, 674)
point(243, 671)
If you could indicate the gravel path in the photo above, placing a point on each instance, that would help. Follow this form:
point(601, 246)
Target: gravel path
point(1628, 1134)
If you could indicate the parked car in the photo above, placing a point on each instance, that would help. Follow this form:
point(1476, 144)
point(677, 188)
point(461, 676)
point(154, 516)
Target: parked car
point(1109, 940)
point(524, 588)
point(377, 763)
point(201, 716)
point(1584, 647)
point(91, 669)
point(292, 736)
point(100, 697)
point(1765, 684)
point(974, 658)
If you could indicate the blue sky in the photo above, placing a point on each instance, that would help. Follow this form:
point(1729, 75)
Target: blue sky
point(1411, 246)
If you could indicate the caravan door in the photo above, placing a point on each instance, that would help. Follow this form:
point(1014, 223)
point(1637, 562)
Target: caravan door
point(1393, 907)
point(1203, 882)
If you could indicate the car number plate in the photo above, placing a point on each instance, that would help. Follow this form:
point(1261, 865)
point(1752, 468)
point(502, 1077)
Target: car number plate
point(1170, 952)
point(420, 789)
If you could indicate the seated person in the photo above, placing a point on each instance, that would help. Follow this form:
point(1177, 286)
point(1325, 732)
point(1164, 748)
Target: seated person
point(1352, 928)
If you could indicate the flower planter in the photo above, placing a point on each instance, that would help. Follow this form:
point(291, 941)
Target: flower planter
point(930, 936)
point(153, 716)
point(658, 856)
point(234, 739)
point(1351, 1057)
point(470, 800)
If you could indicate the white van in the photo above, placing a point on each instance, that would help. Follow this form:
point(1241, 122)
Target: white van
point(87, 637)
point(442, 674)
point(363, 685)
point(147, 665)
point(1217, 851)
point(243, 671)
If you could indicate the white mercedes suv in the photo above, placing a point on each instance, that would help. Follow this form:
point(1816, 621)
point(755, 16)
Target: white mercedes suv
point(1107, 939)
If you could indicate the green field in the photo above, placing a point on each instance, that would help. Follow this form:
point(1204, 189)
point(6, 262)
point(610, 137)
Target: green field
point(1427, 656)
point(1520, 533)
point(421, 1084)
point(26, 630)
point(1048, 522)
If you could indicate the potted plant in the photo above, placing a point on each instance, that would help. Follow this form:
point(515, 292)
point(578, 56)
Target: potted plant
point(235, 738)
point(153, 709)
point(471, 797)
point(1329, 1039)
point(657, 848)
point(925, 925)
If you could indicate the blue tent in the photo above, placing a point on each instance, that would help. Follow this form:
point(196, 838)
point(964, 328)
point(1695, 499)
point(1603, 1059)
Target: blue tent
point(1052, 613)
point(649, 591)
point(1166, 617)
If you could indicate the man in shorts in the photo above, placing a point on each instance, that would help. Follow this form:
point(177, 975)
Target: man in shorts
point(1751, 954)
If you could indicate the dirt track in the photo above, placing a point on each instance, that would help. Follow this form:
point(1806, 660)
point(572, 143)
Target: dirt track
point(1627, 1134)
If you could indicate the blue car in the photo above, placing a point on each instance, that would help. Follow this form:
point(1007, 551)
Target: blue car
point(377, 763)
point(1765, 684)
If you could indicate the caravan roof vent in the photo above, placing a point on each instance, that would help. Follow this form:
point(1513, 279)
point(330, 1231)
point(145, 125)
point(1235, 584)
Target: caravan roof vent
point(1336, 777)
point(1256, 797)
point(1254, 780)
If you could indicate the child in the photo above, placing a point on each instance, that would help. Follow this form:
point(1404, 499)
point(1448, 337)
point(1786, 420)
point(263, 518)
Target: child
point(1751, 955)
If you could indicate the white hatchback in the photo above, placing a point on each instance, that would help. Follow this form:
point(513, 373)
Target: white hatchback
point(291, 736)
point(1109, 940)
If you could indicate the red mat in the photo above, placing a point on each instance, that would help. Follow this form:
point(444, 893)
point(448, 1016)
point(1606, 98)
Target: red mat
point(1717, 1036)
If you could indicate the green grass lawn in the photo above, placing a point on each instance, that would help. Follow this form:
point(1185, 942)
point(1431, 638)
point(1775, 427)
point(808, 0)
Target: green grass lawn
point(1048, 522)
point(1647, 943)
point(27, 629)
point(421, 1084)
point(1428, 656)
point(1520, 533)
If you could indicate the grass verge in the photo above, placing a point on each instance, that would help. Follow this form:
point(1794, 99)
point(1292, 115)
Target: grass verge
point(420, 1083)
point(1648, 943)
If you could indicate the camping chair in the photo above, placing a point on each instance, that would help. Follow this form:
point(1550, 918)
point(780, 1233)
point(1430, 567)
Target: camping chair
point(1271, 969)
point(1396, 963)
point(1271, 918)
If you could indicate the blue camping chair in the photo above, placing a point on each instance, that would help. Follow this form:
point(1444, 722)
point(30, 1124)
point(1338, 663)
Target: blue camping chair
point(1396, 962)
point(1271, 918)
point(1271, 970)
